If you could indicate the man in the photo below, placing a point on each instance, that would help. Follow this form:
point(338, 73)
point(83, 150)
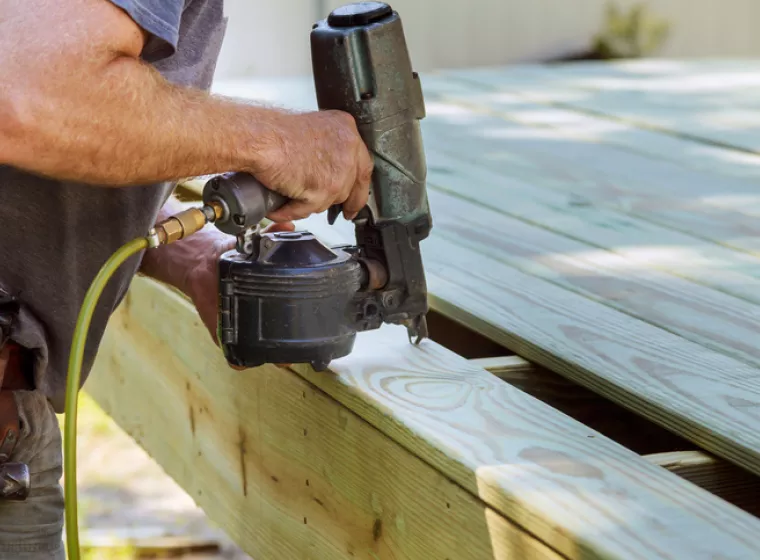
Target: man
point(103, 106)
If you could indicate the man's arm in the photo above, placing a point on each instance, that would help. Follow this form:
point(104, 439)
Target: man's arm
point(77, 103)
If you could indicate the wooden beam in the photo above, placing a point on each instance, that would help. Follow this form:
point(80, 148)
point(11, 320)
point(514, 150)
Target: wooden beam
point(282, 467)
point(506, 367)
point(245, 443)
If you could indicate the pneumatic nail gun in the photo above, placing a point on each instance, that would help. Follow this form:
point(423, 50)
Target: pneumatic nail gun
point(288, 298)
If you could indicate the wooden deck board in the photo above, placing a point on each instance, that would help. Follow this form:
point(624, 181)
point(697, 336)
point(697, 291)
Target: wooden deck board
point(713, 319)
point(714, 103)
point(445, 455)
point(643, 244)
point(708, 205)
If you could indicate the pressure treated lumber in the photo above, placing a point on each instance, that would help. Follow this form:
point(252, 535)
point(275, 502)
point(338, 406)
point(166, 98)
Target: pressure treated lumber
point(592, 410)
point(701, 395)
point(708, 103)
point(695, 201)
point(700, 314)
point(727, 213)
point(442, 432)
point(506, 367)
point(520, 103)
point(723, 479)
point(284, 469)
point(720, 477)
point(711, 398)
point(639, 244)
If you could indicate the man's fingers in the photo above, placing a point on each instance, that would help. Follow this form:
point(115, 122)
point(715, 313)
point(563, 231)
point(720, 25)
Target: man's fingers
point(292, 211)
point(280, 226)
point(355, 202)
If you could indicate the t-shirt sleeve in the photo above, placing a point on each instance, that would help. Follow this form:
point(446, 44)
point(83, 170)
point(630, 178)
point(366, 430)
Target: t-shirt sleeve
point(161, 19)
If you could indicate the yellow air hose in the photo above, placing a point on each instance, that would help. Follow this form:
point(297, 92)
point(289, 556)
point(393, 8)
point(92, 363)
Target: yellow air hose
point(173, 229)
point(72, 386)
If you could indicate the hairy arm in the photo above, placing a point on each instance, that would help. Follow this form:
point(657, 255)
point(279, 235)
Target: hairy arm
point(77, 103)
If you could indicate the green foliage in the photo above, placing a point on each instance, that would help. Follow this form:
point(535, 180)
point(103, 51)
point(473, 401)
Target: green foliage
point(630, 35)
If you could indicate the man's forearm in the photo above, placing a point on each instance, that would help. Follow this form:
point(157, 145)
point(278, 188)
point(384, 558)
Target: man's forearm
point(78, 103)
point(127, 125)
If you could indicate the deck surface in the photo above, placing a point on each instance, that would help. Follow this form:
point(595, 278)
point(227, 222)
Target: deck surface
point(602, 221)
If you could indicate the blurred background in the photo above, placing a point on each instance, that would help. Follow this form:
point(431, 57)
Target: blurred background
point(269, 38)
point(130, 507)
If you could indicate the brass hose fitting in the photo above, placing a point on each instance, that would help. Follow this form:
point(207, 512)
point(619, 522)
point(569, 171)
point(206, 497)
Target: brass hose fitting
point(180, 225)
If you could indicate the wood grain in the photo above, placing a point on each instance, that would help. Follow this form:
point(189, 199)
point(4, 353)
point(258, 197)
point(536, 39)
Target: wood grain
point(585, 406)
point(723, 479)
point(226, 436)
point(282, 467)
point(705, 204)
point(713, 319)
point(706, 102)
point(704, 396)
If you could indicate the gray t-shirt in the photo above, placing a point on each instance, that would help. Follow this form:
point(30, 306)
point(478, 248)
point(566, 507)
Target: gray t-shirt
point(55, 236)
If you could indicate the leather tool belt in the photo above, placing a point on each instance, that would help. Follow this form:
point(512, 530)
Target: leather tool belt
point(15, 480)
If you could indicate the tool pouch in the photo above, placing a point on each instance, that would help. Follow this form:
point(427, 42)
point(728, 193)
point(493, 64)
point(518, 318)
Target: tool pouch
point(14, 477)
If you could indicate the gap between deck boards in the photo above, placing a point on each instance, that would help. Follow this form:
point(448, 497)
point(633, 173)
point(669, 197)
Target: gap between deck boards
point(655, 444)
point(723, 479)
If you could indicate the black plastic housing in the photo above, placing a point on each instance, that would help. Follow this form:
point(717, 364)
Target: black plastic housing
point(292, 301)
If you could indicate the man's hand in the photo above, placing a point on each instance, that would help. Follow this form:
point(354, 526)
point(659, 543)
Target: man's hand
point(317, 159)
point(202, 280)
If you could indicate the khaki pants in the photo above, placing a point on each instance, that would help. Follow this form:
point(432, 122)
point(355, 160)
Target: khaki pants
point(33, 529)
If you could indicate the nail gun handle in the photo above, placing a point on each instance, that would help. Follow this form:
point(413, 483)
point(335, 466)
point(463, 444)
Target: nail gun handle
point(245, 201)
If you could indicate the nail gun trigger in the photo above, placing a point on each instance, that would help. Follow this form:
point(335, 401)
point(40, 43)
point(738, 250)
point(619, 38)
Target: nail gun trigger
point(333, 212)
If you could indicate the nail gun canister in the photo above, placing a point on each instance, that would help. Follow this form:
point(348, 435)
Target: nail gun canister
point(288, 302)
